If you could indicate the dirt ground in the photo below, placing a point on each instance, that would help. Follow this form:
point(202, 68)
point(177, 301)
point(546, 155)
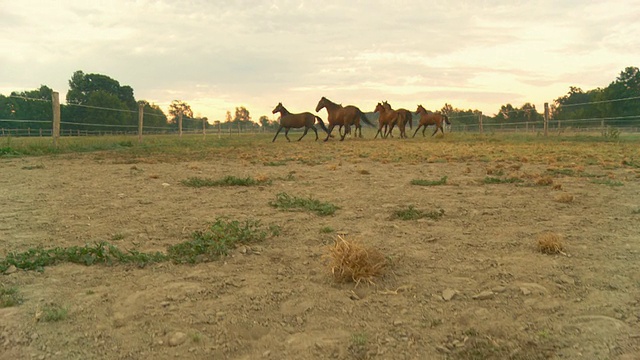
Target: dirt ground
point(470, 285)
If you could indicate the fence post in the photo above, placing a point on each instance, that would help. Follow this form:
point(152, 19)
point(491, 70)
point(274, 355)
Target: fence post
point(546, 118)
point(55, 100)
point(602, 125)
point(204, 127)
point(180, 123)
point(140, 121)
point(238, 128)
point(480, 122)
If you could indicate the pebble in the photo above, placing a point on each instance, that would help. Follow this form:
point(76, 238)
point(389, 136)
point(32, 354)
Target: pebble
point(449, 294)
point(525, 291)
point(177, 338)
point(487, 294)
point(10, 270)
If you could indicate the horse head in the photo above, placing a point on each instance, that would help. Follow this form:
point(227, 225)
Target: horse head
point(379, 108)
point(321, 104)
point(278, 108)
point(420, 109)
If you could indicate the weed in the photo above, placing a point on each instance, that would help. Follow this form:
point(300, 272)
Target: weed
point(226, 181)
point(636, 211)
point(631, 163)
point(326, 230)
point(495, 180)
point(54, 313)
point(9, 297)
point(8, 151)
point(359, 339)
point(275, 163)
point(411, 213)
point(33, 167)
point(287, 202)
point(566, 172)
point(216, 241)
point(442, 181)
point(196, 337)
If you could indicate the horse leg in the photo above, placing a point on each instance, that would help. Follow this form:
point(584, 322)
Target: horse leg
point(331, 126)
point(347, 129)
point(277, 132)
point(435, 131)
point(304, 133)
point(423, 130)
point(286, 133)
point(315, 131)
point(418, 128)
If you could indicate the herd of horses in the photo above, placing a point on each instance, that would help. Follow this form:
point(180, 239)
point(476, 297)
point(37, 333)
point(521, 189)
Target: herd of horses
point(350, 115)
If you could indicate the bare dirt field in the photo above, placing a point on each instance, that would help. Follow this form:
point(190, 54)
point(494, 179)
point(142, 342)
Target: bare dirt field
point(468, 285)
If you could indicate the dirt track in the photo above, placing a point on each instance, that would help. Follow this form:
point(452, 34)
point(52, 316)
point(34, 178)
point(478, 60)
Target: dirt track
point(276, 300)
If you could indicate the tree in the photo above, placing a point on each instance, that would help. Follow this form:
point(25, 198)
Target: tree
point(177, 107)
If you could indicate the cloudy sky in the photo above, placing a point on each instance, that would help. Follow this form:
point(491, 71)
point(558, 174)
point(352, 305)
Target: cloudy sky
point(220, 54)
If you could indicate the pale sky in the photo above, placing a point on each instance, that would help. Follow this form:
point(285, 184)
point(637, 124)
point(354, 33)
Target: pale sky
point(218, 55)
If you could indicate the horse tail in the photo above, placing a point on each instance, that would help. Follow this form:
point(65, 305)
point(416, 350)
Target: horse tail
point(364, 119)
point(446, 119)
point(409, 119)
point(321, 123)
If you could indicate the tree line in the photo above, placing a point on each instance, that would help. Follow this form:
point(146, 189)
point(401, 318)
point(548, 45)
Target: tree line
point(96, 102)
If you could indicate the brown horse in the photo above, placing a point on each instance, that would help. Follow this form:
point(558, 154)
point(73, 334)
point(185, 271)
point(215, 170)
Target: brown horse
point(404, 117)
point(342, 116)
point(430, 118)
point(386, 120)
point(289, 120)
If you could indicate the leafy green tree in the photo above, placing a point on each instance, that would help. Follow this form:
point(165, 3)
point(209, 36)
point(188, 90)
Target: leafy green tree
point(175, 108)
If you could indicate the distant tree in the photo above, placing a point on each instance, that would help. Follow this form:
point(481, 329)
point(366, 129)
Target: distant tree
point(175, 108)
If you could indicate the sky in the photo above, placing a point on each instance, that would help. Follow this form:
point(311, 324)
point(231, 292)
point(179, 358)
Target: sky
point(219, 55)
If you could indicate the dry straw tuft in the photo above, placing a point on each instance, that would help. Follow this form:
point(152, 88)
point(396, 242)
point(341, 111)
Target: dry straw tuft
point(351, 261)
point(544, 181)
point(550, 243)
point(564, 198)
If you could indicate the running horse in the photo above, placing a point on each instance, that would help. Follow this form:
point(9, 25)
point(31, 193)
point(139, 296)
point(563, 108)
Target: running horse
point(289, 120)
point(404, 117)
point(342, 116)
point(430, 118)
point(387, 119)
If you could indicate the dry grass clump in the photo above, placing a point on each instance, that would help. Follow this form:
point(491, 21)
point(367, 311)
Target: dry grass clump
point(564, 198)
point(550, 243)
point(544, 181)
point(352, 261)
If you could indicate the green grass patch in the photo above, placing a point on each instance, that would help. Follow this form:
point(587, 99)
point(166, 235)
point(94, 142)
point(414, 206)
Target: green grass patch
point(54, 313)
point(495, 180)
point(607, 182)
point(287, 202)
point(33, 167)
point(8, 151)
point(275, 163)
point(411, 213)
point(565, 172)
point(217, 240)
point(636, 211)
point(206, 245)
point(9, 296)
point(326, 230)
point(225, 181)
point(631, 163)
point(420, 182)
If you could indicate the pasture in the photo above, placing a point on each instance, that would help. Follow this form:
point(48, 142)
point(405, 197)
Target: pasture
point(460, 220)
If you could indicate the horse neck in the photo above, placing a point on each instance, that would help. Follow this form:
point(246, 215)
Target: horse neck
point(330, 105)
point(284, 111)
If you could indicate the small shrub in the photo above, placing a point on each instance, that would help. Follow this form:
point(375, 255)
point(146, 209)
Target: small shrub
point(419, 182)
point(326, 230)
point(550, 243)
point(351, 261)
